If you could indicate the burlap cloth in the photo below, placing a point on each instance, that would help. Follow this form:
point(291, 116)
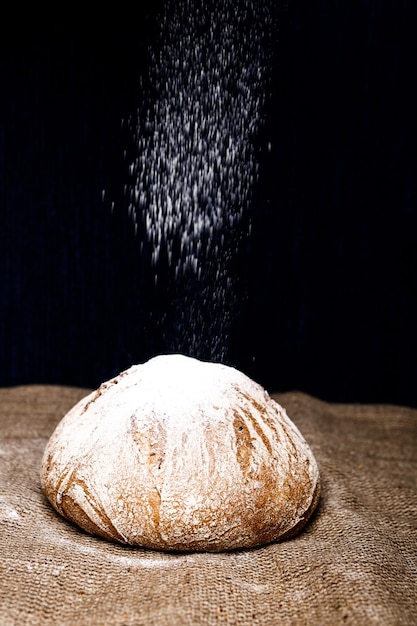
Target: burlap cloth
point(354, 563)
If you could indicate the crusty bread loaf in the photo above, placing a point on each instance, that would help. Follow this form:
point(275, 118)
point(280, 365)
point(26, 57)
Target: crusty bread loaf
point(181, 454)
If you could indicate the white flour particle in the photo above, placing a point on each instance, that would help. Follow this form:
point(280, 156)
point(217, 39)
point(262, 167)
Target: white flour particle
point(195, 167)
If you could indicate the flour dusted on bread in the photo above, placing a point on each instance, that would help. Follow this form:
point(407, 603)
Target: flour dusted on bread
point(181, 454)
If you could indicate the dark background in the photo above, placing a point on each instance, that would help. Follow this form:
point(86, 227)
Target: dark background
point(327, 277)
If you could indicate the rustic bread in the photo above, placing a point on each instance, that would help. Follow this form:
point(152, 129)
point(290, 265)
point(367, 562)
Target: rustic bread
point(181, 454)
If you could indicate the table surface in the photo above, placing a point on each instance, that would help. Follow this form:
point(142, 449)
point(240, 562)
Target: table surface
point(355, 562)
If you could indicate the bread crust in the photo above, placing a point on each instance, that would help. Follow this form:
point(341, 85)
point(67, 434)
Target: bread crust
point(180, 454)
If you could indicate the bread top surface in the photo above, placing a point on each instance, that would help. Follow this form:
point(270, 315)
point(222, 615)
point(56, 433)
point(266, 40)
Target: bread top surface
point(178, 453)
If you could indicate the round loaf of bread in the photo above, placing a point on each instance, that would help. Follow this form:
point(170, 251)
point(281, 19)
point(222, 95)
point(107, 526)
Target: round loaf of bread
point(181, 454)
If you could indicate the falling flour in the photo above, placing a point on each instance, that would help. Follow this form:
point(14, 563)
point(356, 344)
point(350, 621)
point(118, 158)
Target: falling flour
point(194, 165)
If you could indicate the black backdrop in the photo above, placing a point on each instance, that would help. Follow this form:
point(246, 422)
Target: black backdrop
point(327, 277)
